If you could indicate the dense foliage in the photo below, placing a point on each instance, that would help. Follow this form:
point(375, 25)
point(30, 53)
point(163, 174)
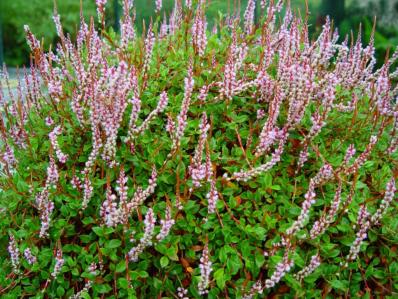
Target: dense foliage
point(239, 162)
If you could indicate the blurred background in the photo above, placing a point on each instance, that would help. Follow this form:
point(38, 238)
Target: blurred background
point(347, 15)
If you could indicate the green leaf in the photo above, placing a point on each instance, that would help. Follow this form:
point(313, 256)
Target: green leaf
point(339, 284)
point(220, 278)
point(113, 243)
point(164, 261)
point(123, 283)
point(120, 267)
point(98, 230)
point(60, 291)
point(102, 288)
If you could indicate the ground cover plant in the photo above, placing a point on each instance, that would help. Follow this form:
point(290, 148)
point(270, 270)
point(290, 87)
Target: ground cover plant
point(237, 162)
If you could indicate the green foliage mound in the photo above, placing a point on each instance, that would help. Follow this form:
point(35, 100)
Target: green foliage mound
point(236, 162)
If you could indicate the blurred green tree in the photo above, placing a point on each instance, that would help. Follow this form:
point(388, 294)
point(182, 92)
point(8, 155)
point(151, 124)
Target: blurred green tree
point(335, 9)
point(38, 15)
point(1, 41)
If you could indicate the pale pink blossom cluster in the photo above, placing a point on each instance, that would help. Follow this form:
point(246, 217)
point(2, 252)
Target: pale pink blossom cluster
point(358, 162)
point(212, 197)
point(318, 122)
point(134, 101)
point(230, 84)
point(164, 28)
point(246, 175)
point(58, 26)
point(363, 223)
point(8, 158)
point(46, 207)
point(146, 239)
point(198, 170)
point(182, 117)
point(327, 218)
point(59, 262)
point(394, 135)
point(101, 8)
point(382, 92)
point(205, 270)
point(170, 126)
point(249, 16)
point(350, 153)
point(257, 288)
point(350, 106)
point(97, 145)
point(176, 17)
point(260, 113)
point(127, 32)
point(43, 202)
point(54, 143)
point(182, 293)
point(112, 105)
point(166, 225)
point(303, 157)
point(315, 262)
point(87, 192)
point(386, 201)
point(92, 269)
point(199, 37)
point(141, 194)
point(158, 5)
point(84, 290)
point(324, 174)
point(32, 41)
point(76, 183)
point(30, 258)
point(13, 250)
point(122, 190)
point(109, 210)
point(52, 173)
point(268, 136)
point(115, 212)
point(159, 109)
point(326, 41)
point(49, 121)
point(149, 44)
point(281, 269)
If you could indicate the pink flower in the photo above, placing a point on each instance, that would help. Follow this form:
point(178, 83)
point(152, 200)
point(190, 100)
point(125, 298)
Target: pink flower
point(109, 211)
point(59, 262)
point(385, 203)
point(49, 121)
point(54, 143)
point(249, 16)
point(13, 250)
point(205, 270)
point(314, 263)
point(199, 37)
point(182, 117)
point(363, 224)
point(158, 4)
point(166, 225)
point(146, 239)
point(30, 258)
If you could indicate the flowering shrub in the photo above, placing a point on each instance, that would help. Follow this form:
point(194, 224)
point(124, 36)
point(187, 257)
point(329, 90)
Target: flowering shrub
point(187, 163)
